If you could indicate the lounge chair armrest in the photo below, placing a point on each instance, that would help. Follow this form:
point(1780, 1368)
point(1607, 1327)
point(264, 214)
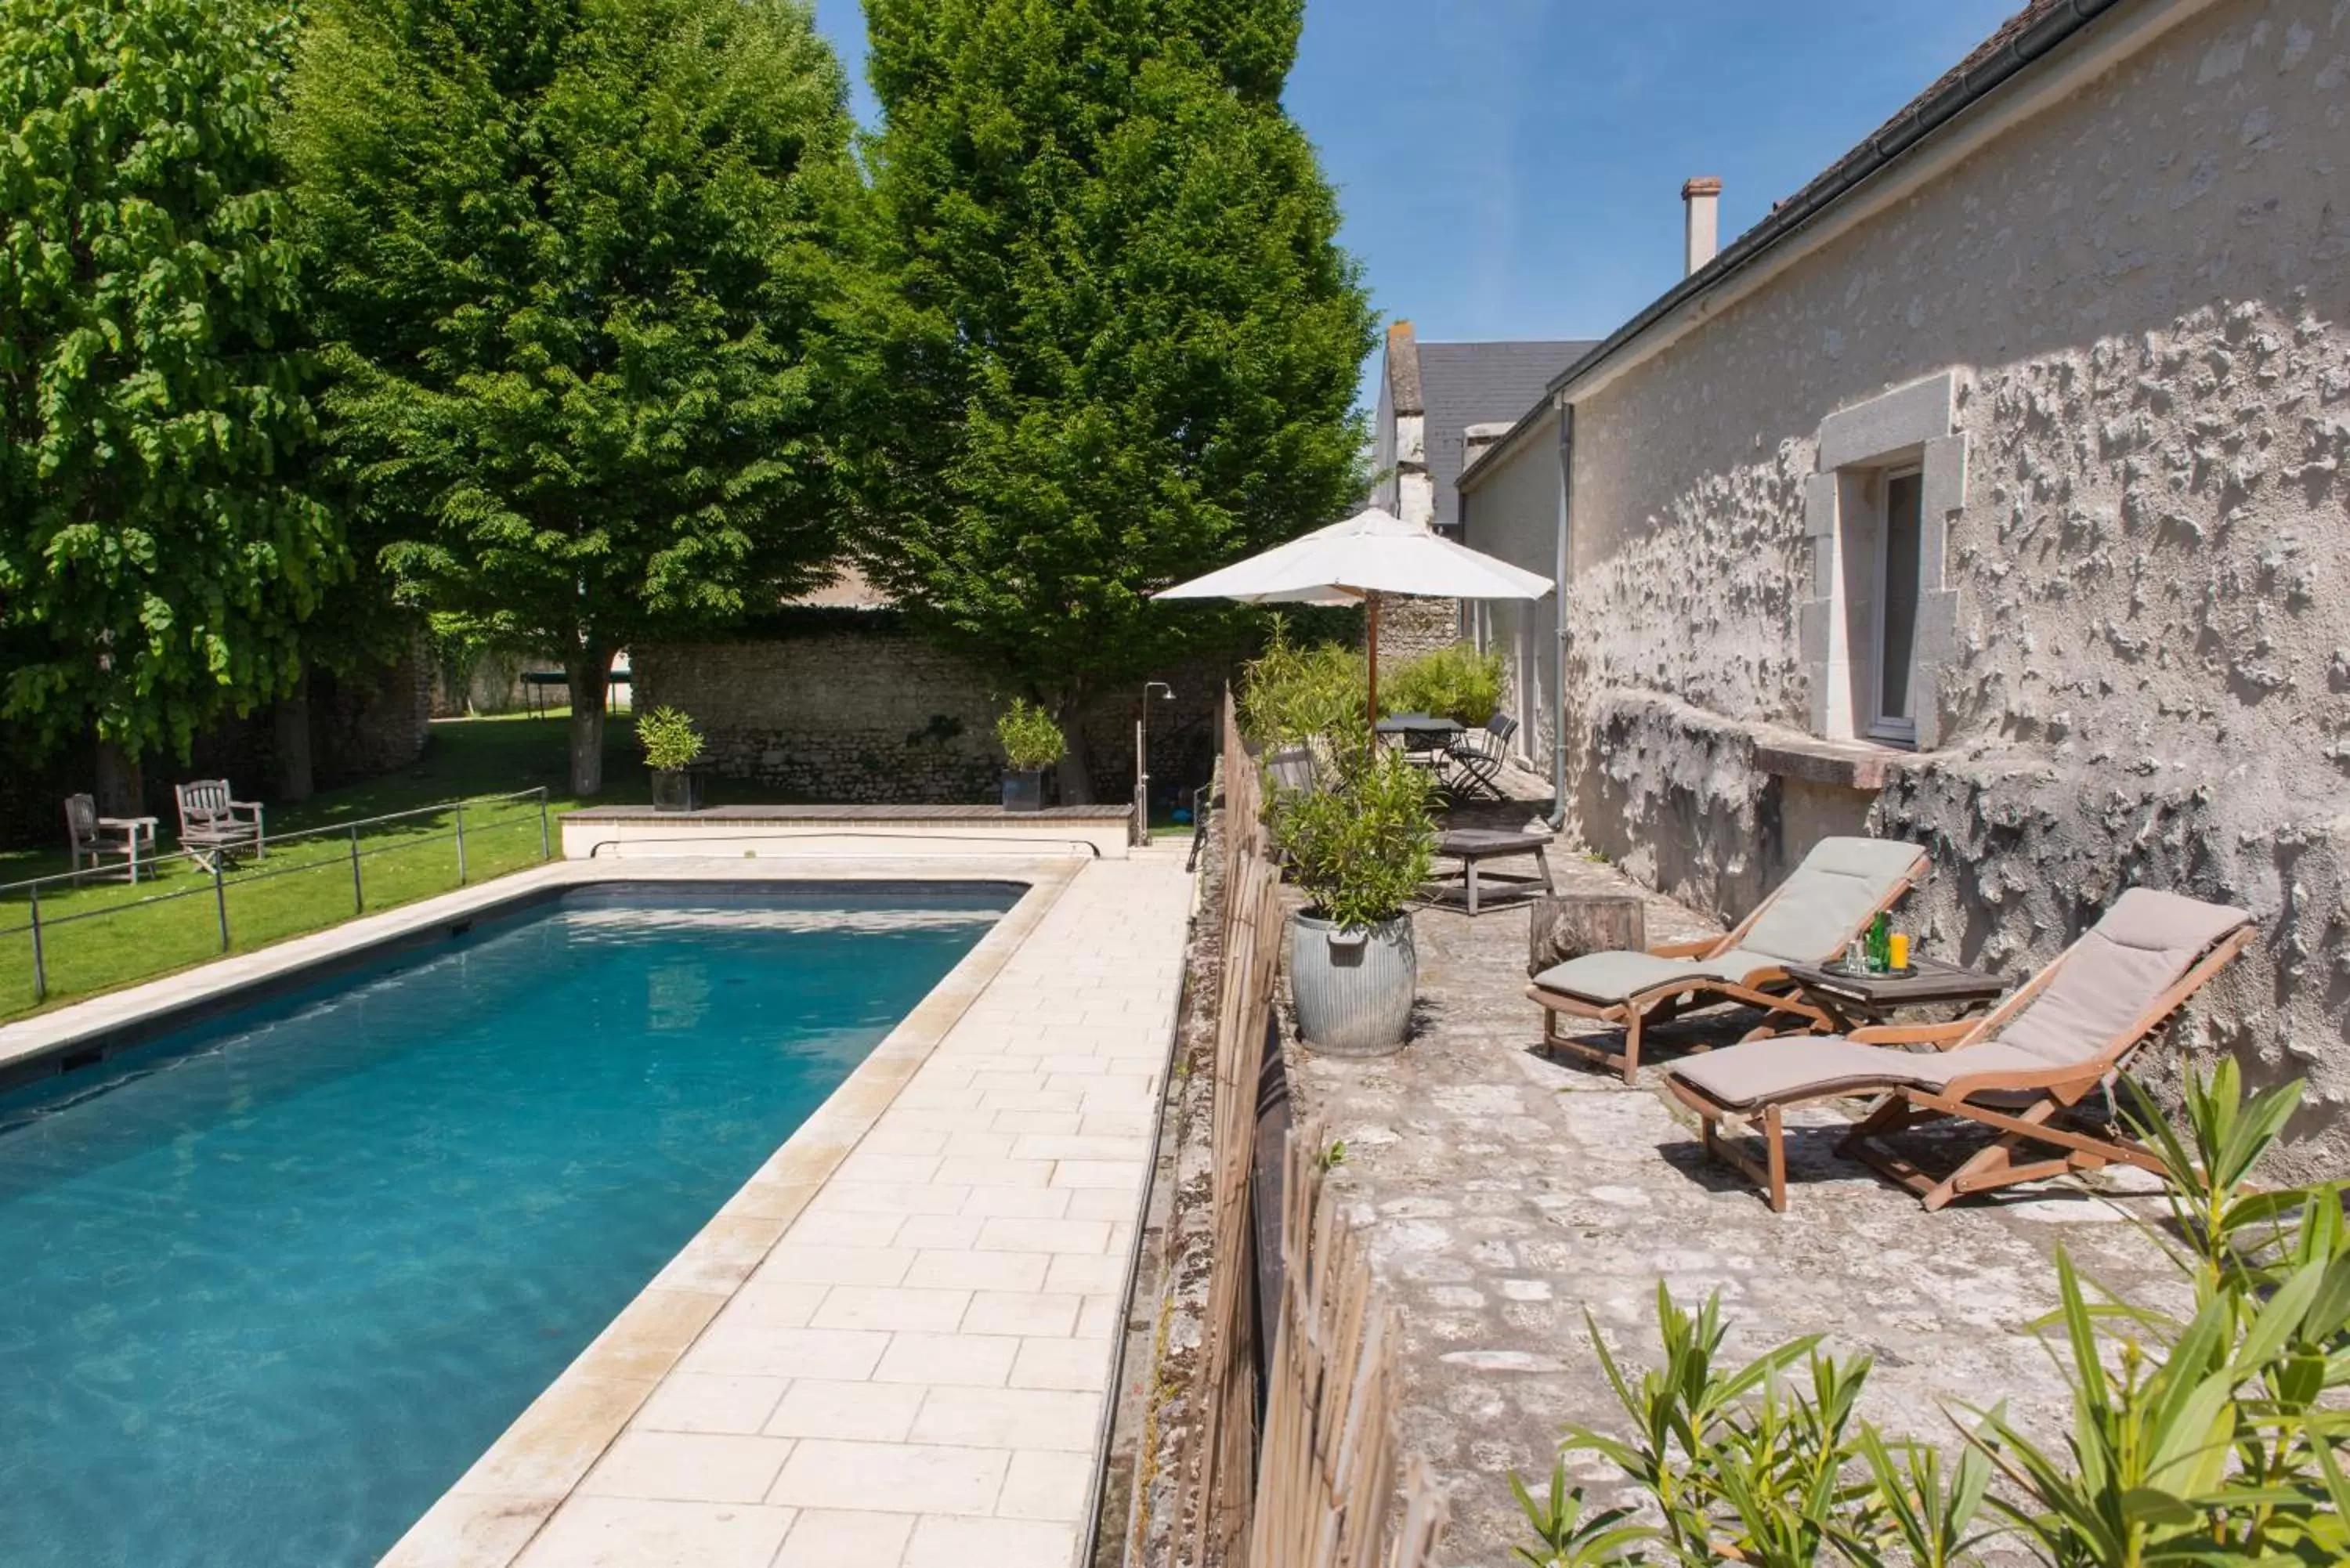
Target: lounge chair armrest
point(1943, 1035)
point(1697, 947)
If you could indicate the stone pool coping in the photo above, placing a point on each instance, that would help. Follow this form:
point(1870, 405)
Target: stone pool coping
point(968, 830)
point(1096, 1005)
point(492, 1513)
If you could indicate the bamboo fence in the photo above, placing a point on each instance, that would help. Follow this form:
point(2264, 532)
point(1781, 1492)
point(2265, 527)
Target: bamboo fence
point(1320, 1489)
point(1327, 1480)
point(1222, 1466)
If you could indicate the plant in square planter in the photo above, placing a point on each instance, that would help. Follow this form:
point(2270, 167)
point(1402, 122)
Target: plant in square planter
point(673, 746)
point(1032, 742)
point(1359, 851)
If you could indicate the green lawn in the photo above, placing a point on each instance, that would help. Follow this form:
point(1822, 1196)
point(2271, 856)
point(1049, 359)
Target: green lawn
point(306, 882)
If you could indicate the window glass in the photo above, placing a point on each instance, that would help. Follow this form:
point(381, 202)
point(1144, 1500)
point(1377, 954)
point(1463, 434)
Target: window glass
point(1899, 633)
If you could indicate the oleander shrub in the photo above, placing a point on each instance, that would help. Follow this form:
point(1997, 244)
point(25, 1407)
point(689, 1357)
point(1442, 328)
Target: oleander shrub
point(1457, 683)
point(670, 739)
point(2220, 1437)
point(1360, 848)
point(1305, 696)
point(1030, 738)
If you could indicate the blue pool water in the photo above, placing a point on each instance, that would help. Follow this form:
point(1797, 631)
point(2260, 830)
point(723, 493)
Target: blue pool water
point(269, 1286)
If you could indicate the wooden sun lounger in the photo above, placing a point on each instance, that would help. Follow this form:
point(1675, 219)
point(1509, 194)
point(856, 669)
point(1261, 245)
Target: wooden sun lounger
point(2042, 1052)
point(1842, 886)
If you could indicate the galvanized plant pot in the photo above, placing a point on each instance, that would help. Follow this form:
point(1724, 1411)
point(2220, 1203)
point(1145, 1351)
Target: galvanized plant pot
point(677, 789)
point(1024, 789)
point(1353, 989)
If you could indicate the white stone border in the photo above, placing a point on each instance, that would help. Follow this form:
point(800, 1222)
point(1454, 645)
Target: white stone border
point(495, 1509)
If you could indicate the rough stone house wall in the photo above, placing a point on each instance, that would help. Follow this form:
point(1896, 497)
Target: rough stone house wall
point(2117, 336)
point(1513, 513)
point(856, 709)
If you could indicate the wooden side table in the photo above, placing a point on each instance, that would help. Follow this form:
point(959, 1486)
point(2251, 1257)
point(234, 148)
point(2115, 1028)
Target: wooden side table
point(1853, 1000)
point(1471, 845)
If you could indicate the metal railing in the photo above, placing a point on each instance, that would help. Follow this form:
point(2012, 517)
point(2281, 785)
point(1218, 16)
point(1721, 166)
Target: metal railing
point(219, 878)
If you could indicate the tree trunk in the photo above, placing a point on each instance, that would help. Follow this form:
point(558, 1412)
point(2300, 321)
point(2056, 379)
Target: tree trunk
point(591, 674)
point(1076, 783)
point(1569, 925)
point(121, 786)
point(290, 721)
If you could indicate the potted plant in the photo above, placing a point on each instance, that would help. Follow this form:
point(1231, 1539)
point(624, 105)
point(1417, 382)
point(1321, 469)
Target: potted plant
point(673, 746)
point(1359, 852)
point(1032, 742)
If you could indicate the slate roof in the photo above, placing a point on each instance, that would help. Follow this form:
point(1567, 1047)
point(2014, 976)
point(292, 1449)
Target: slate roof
point(1465, 384)
point(2036, 29)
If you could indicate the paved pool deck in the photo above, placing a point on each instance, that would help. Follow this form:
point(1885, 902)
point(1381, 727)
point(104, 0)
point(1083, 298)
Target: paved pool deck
point(892, 1347)
point(1508, 1192)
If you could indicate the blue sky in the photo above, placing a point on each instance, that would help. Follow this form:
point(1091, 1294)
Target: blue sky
point(1512, 168)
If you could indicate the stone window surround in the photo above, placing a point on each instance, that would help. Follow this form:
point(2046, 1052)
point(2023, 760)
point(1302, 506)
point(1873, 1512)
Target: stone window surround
point(1910, 425)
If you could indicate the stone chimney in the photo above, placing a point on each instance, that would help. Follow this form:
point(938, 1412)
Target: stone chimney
point(1700, 230)
point(1408, 492)
point(1476, 441)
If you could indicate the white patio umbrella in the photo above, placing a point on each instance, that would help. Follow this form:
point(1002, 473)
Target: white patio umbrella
point(1369, 554)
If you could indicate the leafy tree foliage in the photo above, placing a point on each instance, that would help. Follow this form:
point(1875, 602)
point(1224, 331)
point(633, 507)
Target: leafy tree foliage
point(572, 253)
point(158, 549)
point(1108, 341)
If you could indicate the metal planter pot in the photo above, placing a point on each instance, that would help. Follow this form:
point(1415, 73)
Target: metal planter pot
point(677, 789)
point(1023, 790)
point(1353, 989)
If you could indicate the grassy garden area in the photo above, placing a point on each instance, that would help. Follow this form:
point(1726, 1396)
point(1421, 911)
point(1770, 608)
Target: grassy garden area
point(305, 881)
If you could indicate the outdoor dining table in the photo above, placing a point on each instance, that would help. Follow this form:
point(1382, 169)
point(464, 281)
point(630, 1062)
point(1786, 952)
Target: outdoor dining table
point(1425, 740)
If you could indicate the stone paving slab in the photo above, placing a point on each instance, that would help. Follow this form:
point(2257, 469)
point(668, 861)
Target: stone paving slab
point(1510, 1193)
point(893, 1346)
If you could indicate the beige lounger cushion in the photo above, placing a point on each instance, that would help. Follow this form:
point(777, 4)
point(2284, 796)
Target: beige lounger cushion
point(1610, 978)
point(2142, 947)
point(1838, 885)
point(1807, 921)
point(1762, 1071)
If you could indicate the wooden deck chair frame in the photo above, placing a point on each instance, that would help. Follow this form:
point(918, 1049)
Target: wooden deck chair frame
point(1769, 989)
point(1901, 1107)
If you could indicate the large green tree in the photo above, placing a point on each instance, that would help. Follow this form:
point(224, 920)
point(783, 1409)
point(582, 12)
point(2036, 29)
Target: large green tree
point(158, 551)
point(1108, 338)
point(572, 253)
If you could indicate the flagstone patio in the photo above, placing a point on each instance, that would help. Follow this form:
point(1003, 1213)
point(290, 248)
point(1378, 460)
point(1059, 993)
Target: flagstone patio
point(1510, 1193)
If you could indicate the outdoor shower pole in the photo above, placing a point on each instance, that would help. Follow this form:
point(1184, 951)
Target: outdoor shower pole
point(1141, 836)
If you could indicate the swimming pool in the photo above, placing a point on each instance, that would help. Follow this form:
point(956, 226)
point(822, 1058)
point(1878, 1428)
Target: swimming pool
point(274, 1281)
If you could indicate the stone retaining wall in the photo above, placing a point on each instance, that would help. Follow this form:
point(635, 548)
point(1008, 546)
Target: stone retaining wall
point(878, 715)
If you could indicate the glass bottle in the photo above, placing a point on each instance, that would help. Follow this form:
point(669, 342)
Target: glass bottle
point(1880, 942)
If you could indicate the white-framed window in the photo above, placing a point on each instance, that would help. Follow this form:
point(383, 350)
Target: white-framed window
point(1880, 623)
point(1893, 632)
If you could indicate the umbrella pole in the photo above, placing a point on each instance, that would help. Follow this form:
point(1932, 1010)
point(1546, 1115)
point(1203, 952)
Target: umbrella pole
point(1372, 600)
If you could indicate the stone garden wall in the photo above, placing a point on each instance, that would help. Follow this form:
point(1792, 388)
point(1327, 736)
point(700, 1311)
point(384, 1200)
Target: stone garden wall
point(856, 709)
point(361, 726)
